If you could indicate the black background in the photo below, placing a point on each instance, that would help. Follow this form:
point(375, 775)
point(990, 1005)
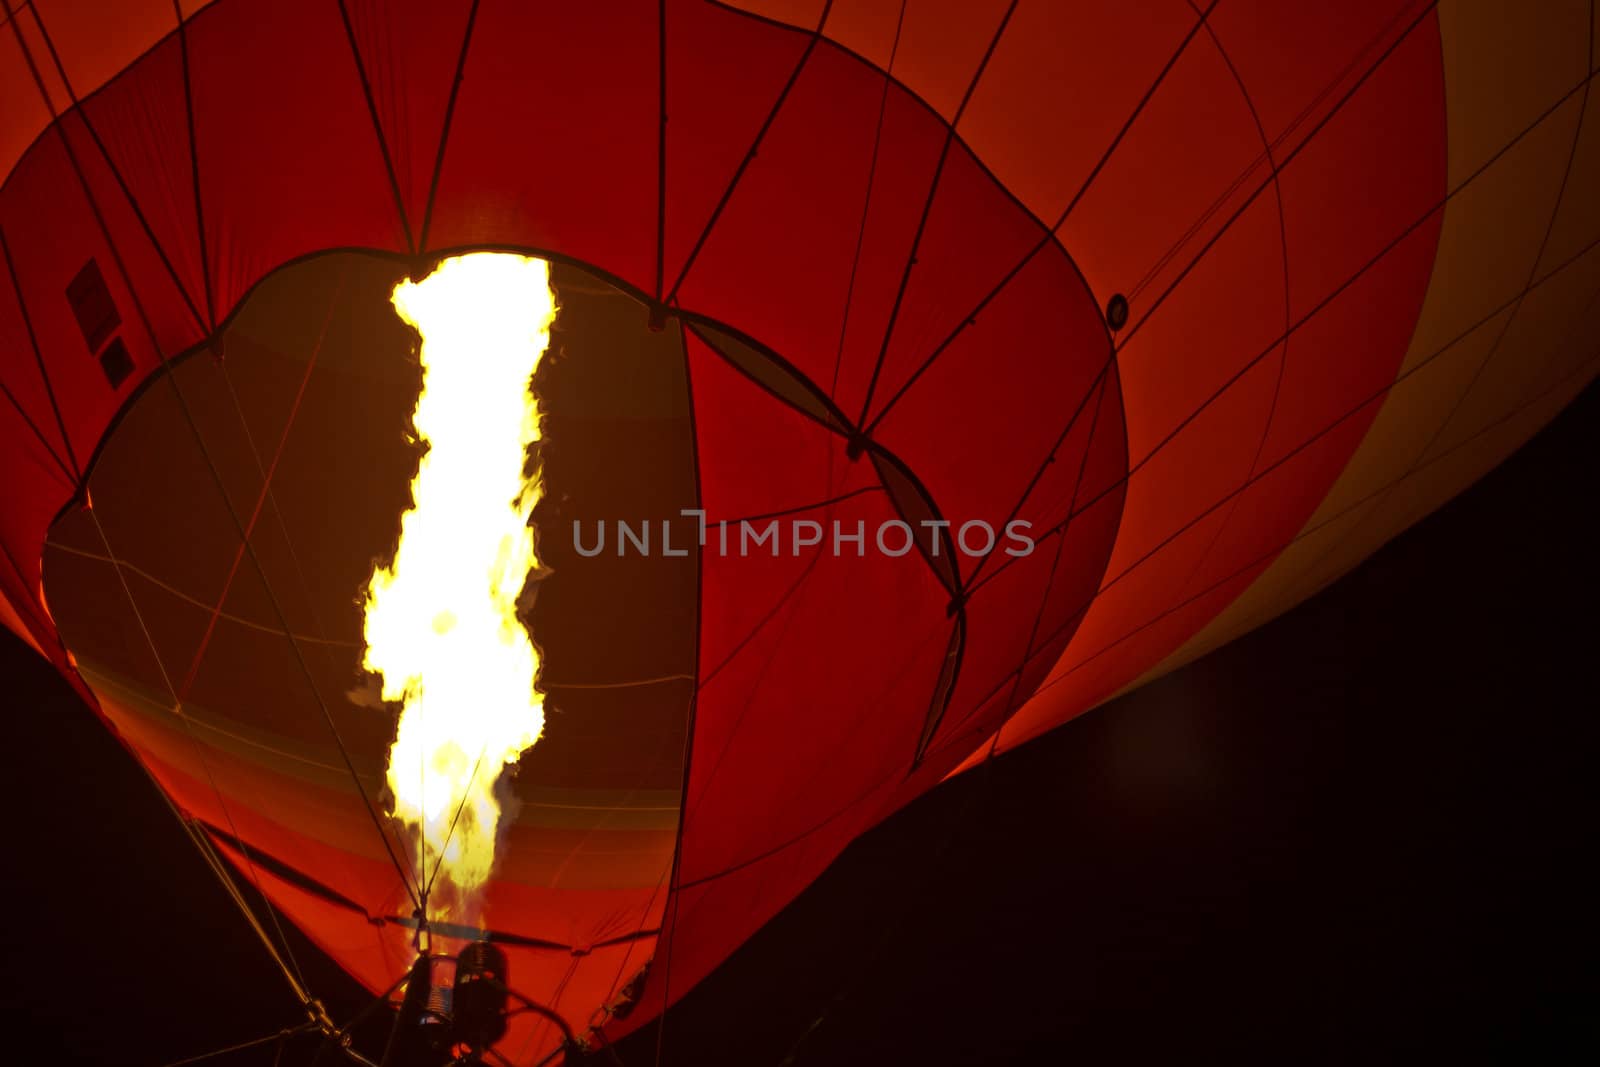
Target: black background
point(1357, 835)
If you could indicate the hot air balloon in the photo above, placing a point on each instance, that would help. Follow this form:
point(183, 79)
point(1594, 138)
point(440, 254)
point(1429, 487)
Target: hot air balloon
point(1055, 344)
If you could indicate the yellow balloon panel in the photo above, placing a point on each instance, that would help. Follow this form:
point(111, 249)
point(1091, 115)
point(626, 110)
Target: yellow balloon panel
point(1551, 336)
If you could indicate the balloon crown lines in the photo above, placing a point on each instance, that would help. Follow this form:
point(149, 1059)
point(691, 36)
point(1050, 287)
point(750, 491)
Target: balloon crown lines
point(774, 537)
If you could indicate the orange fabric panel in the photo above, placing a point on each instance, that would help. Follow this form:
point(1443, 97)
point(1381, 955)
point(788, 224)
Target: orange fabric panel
point(1061, 82)
point(26, 113)
point(1433, 483)
point(313, 820)
point(956, 266)
point(1549, 338)
point(43, 74)
point(95, 41)
point(152, 159)
point(1514, 88)
point(698, 920)
point(1494, 231)
point(1186, 166)
point(1496, 417)
point(1503, 65)
point(942, 44)
point(1172, 531)
point(320, 830)
point(717, 107)
point(372, 953)
point(868, 28)
point(1219, 474)
point(569, 983)
point(1576, 222)
point(1296, 61)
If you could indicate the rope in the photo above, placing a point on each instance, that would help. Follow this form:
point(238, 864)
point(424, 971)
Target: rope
point(427, 886)
point(281, 1037)
point(195, 601)
point(291, 967)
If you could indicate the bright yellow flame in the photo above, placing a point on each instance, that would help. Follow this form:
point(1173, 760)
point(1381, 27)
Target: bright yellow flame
point(441, 621)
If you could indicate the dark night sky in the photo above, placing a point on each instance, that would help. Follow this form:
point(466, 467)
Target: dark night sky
point(1355, 835)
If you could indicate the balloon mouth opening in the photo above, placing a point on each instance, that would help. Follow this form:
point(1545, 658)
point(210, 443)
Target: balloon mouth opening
point(224, 659)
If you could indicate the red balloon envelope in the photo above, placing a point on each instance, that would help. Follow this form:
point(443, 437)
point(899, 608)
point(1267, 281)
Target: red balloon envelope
point(1214, 298)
